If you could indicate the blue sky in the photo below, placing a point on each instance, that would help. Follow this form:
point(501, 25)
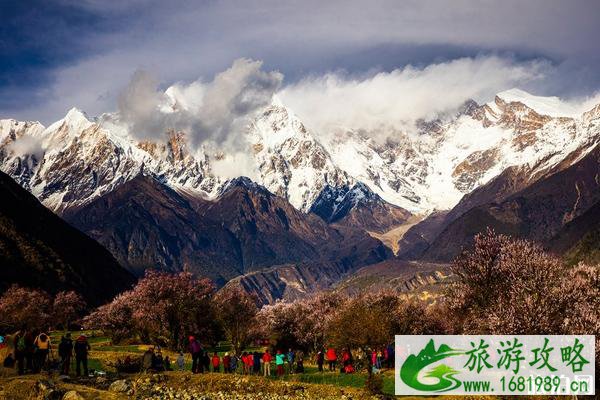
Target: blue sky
point(56, 54)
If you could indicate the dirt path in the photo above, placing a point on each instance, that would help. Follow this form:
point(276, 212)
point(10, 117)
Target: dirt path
point(393, 236)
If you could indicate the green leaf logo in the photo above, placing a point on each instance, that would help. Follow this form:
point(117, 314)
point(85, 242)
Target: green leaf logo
point(413, 365)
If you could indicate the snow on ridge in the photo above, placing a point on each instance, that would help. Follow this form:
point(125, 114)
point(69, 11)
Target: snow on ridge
point(551, 106)
point(420, 173)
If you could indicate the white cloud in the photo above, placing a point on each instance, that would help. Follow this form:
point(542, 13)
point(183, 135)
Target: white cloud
point(215, 112)
point(396, 99)
point(27, 145)
point(236, 164)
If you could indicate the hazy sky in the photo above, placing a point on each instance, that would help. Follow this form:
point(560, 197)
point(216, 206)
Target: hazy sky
point(63, 53)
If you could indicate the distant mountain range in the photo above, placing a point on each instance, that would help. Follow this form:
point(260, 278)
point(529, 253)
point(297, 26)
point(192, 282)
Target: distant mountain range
point(318, 205)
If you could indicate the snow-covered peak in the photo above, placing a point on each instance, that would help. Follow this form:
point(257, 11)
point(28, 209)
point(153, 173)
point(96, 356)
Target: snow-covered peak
point(551, 106)
point(81, 159)
point(75, 121)
point(291, 161)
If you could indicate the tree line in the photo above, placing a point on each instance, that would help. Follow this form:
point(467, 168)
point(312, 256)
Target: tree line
point(500, 286)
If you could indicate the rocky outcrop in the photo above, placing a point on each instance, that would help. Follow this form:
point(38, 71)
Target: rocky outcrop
point(358, 206)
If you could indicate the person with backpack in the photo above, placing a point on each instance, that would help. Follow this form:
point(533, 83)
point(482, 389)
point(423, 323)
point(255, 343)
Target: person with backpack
point(82, 348)
point(20, 350)
point(267, 358)
point(42, 345)
point(331, 358)
point(195, 350)
point(65, 352)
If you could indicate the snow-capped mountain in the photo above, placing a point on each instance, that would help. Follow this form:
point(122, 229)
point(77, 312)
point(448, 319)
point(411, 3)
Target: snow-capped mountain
point(77, 159)
point(291, 161)
point(441, 162)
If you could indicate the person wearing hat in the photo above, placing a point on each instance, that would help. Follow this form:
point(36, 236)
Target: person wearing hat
point(81, 347)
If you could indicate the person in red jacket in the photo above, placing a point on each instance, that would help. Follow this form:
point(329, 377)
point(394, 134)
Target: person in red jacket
point(216, 362)
point(226, 363)
point(266, 359)
point(331, 358)
point(249, 361)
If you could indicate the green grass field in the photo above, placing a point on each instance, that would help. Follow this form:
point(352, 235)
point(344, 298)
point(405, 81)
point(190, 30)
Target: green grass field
point(104, 352)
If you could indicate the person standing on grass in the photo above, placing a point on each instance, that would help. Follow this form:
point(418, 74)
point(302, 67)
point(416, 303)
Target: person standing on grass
point(300, 362)
point(180, 361)
point(65, 352)
point(279, 361)
point(206, 361)
point(82, 348)
point(320, 360)
point(291, 357)
point(20, 350)
point(266, 359)
point(249, 363)
point(234, 363)
point(243, 360)
point(331, 358)
point(216, 362)
point(195, 350)
point(256, 362)
point(227, 363)
point(379, 359)
point(29, 350)
point(390, 356)
point(42, 345)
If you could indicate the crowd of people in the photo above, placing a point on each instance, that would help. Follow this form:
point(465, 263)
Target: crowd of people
point(286, 362)
point(247, 363)
point(31, 353)
point(31, 350)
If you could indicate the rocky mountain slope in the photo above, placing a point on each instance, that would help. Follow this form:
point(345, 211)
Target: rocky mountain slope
point(359, 207)
point(538, 212)
point(145, 224)
point(38, 249)
point(579, 239)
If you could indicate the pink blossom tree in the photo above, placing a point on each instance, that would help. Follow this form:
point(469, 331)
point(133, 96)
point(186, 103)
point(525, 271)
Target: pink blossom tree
point(236, 312)
point(66, 308)
point(303, 322)
point(24, 306)
point(161, 307)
